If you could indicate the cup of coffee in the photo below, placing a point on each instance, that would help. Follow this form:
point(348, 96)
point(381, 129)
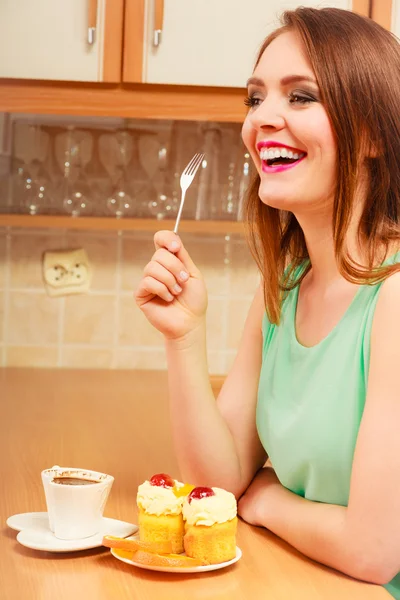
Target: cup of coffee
point(75, 501)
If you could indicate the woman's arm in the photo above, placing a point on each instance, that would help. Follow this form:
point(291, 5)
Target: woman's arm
point(363, 539)
point(217, 442)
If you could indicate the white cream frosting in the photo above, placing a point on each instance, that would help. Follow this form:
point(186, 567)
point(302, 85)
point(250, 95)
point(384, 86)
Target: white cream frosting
point(210, 510)
point(157, 500)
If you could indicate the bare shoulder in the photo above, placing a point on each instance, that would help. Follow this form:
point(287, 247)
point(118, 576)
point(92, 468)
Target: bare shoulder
point(386, 323)
point(389, 296)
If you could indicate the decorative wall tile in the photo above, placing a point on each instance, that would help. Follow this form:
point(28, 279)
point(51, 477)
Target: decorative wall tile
point(132, 358)
point(89, 319)
point(216, 323)
point(86, 358)
point(26, 251)
point(136, 252)
point(2, 298)
point(237, 314)
point(2, 259)
point(244, 273)
point(134, 329)
point(105, 328)
point(102, 253)
point(31, 356)
point(33, 319)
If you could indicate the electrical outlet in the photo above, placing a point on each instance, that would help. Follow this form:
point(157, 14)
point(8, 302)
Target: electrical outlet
point(66, 272)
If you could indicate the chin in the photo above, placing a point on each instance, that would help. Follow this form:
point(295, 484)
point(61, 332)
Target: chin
point(278, 201)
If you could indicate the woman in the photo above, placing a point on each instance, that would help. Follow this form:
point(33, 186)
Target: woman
point(314, 385)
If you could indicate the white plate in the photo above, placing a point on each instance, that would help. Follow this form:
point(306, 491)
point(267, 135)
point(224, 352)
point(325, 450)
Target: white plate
point(34, 533)
point(201, 569)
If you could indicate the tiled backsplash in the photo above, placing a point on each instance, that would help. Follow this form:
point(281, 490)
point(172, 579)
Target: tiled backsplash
point(104, 328)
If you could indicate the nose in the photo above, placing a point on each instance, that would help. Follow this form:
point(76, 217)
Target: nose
point(267, 116)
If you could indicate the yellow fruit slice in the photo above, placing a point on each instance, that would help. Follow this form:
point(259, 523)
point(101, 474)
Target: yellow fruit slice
point(183, 490)
point(166, 560)
point(124, 553)
point(111, 541)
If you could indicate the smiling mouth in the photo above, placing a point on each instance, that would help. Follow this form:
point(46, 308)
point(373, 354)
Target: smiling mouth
point(277, 160)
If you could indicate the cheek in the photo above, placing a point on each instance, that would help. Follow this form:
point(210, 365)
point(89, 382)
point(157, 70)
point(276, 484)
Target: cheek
point(320, 140)
point(249, 139)
point(248, 134)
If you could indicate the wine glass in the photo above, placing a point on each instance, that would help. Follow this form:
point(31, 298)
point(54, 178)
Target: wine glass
point(164, 204)
point(116, 151)
point(97, 176)
point(73, 152)
point(208, 201)
point(30, 180)
point(237, 182)
point(142, 188)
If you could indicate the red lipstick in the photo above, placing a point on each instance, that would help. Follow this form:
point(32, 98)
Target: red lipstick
point(273, 144)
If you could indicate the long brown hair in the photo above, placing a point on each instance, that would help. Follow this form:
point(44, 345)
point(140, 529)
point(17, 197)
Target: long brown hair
point(357, 66)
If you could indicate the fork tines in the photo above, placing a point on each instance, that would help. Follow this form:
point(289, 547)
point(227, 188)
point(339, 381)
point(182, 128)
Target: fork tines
point(194, 164)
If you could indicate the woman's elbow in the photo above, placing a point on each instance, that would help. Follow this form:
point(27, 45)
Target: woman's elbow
point(375, 569)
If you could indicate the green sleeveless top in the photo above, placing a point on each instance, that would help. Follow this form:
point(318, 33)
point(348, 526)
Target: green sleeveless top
point(311, 400)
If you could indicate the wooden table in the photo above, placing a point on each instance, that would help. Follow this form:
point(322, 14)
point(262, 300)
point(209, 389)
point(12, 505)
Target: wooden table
point(117, 422)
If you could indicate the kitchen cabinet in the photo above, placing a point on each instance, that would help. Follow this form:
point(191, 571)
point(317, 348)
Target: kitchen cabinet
point(178, 42)
point(396, 18)
point(208, 43)
point(386, 13)
point(73, 40)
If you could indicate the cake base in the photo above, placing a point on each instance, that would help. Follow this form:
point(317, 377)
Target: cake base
point(214, 544)
point(163, 528)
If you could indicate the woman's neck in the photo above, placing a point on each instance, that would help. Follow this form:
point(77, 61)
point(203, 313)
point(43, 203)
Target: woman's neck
point(318, 235)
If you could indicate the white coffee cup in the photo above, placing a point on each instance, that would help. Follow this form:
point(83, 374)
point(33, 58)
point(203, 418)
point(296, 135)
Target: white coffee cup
point(75, 511)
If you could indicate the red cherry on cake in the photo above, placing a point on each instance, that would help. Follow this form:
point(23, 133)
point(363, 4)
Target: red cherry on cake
point(162, 480)
point(200, 492)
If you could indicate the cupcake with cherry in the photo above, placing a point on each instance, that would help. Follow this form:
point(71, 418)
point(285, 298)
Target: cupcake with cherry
point(175, 517)
point(210, 525)
point(160, 519)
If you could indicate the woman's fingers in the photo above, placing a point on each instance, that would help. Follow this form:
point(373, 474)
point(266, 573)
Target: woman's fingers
point(172, 263)
point(152, 287)
point(167, 239)
point(171, 241)
point(158, 271)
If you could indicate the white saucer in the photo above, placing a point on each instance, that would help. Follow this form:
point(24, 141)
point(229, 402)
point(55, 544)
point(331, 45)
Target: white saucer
point(201, 569)
point(28, 520)
point(34, 533)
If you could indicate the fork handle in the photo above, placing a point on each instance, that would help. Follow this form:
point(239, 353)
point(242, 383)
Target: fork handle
point(178, 218)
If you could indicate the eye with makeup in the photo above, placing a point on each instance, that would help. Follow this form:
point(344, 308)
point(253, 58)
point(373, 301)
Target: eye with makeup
point(252, 100)
point(298, 97)
point(301, 97)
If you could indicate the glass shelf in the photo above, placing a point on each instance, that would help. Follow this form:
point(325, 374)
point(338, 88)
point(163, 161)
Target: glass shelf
point(113, 224)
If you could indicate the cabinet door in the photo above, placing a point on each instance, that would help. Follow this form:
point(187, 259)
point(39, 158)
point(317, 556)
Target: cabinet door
point(213, 42)
point(396, 18)
point(48, 39)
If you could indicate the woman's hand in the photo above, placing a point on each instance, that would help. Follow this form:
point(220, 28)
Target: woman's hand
point(172, 293)
point(258, 499)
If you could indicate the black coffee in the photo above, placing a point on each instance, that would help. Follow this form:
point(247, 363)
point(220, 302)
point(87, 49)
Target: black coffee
point(73, 481)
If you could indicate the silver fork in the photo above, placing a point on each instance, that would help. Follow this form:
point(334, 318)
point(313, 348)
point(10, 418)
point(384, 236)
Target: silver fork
point(185, 181)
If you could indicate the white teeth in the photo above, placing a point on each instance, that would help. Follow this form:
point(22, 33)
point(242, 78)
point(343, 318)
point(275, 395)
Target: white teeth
point(270, 153)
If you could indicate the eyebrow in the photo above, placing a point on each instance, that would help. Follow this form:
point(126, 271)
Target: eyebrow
point(285, 81)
